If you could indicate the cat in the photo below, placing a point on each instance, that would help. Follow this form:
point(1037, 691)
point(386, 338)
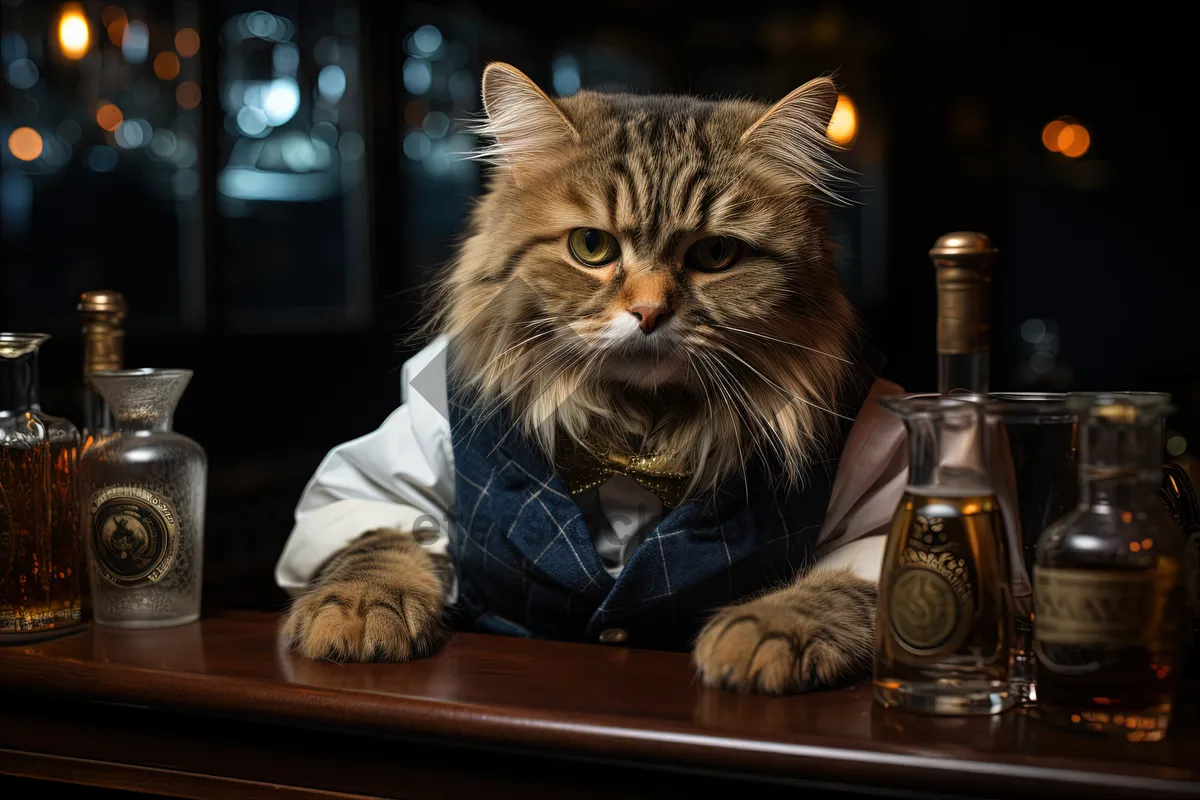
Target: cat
point(643, 274)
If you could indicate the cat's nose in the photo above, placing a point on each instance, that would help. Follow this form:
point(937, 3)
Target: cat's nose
point(649, 316)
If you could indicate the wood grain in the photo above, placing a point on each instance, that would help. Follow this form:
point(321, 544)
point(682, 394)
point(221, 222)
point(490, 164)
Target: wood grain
point(632, 709)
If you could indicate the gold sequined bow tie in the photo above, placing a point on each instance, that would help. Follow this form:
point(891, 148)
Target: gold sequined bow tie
point(582, 469)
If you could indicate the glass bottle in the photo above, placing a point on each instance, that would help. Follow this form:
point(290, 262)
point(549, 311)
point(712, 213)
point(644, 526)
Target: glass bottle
point(102, 313)
point(963, 261)
point(1033, 446)
point(1108, 584)
point(944, 622)
point(40, 548)
point(145, 488)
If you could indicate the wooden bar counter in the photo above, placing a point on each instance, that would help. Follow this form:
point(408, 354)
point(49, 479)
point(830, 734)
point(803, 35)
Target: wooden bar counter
point(219, 709)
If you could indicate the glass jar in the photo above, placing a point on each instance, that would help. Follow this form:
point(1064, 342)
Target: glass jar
point(1108, 583)
point(40, 548)
point(945, 616)
point(145, 487)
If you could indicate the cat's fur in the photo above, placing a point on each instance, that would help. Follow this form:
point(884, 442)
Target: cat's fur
point(753, 364)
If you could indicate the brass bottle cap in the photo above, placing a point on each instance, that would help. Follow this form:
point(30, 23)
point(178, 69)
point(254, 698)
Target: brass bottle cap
point(102, 300)
point(960, 245)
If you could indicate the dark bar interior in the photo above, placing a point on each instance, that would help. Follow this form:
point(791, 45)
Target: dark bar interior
point(274, 188)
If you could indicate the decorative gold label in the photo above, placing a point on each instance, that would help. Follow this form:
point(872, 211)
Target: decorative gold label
point(134, 535)
point(1095, 606)
point(924, 611)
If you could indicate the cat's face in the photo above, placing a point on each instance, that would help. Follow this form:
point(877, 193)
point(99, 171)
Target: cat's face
point(633, 245)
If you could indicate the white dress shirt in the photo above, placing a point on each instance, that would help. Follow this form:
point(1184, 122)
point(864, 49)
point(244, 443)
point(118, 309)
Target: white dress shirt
point(402, 476)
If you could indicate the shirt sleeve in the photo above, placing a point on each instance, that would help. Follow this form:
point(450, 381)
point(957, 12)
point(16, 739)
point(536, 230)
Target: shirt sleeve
point(870, 481)
point(399, 476)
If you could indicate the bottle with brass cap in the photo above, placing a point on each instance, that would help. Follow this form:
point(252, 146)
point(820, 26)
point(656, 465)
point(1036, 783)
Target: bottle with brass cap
point(1108, 582)
point(963, 261)
point(103, 314)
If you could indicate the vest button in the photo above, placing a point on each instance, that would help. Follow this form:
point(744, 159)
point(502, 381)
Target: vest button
point(613, 635)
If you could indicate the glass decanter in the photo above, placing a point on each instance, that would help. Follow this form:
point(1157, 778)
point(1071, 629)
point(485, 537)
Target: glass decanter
point(1108, 583)
point(945, 616)
point(1033, 450)
point(145, 487)
point(40, 548)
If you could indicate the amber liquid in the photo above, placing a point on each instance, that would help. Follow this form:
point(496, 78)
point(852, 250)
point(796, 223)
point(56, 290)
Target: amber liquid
point(944, 624)
point(1123, 689)
point(40, 546)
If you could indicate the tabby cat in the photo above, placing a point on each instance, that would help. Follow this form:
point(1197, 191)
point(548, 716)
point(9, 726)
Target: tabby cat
point(644, 274)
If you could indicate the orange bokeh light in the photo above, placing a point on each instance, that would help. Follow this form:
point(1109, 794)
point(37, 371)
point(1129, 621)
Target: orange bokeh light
point(108, 116)
point(843, 124)
point(187, 42)
point(25, 144)
point(166, 65)
point(187, 94)
point(1050, 134)
point(1074, 141)
point(74, 34)
point(116, 30)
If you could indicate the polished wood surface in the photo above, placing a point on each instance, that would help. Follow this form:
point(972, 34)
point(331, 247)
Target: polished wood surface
point(640, 709)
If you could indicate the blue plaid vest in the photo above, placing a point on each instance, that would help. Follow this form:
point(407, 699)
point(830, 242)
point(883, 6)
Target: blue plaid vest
point(527, 566)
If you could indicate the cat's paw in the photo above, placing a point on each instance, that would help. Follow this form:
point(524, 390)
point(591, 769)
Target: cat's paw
point(380, 599)
point(361, 621)
point(784, 643)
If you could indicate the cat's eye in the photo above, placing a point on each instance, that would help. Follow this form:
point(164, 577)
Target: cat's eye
point(593, 247)
point(712, 254)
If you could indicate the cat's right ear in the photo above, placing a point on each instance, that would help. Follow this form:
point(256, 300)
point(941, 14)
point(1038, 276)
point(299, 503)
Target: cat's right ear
point(522, 120)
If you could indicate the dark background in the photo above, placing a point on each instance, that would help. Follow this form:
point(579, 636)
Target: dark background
point(284, 264)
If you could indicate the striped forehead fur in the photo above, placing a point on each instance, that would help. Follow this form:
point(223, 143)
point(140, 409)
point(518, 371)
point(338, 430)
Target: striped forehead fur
point(767, 346)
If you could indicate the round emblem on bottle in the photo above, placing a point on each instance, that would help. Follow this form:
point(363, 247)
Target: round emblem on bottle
point(134, 535)
point(924, 610)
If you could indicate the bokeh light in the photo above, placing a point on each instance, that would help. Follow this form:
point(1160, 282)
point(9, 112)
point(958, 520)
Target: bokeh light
point(1050, 134)
point(25, 144)
point(1065, 135)
point(166, 66)
point(73, 32)
point(1074, 141)
point(109, 117)
point(187, 42)
point(187, 94)
point(843, 124)
point(116, 30)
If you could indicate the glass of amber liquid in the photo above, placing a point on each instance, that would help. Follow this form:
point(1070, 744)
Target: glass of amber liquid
point(1108, 583)
point(944, 624)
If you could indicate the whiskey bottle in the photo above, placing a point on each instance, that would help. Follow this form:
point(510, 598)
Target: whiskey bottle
point(963, 261)
point(944, 621)
point(41, 557)
point(1108, 583)
point(103, 315)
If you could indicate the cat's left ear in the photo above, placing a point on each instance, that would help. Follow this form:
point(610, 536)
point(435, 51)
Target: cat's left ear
point(525, 123)
point(794, 129)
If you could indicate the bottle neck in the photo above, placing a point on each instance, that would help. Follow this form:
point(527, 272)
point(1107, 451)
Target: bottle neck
point(103, 344)
point(19, 383)
point(1119, 465)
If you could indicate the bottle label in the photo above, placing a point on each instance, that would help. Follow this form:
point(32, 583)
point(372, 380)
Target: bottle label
point(134, 535)
point(1096, 606)
point(930, 606)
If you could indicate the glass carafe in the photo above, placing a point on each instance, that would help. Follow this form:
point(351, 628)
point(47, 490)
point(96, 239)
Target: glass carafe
point(40, 548)
point(944, 622)
point(1108, 583)
point(1033, 445)
point(145, 488)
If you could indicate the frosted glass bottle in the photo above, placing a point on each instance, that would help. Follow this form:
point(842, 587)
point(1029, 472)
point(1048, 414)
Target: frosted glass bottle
point(144, 485)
